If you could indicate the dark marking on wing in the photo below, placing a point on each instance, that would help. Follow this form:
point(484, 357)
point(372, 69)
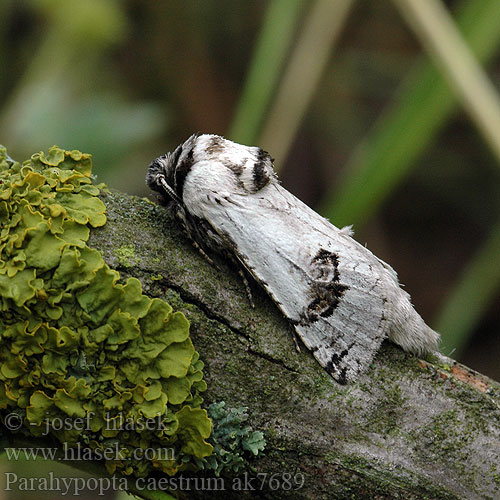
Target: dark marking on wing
point(237, 168)
point(332, 367)
point(337, 358)
point(216, 146)
point(338, 375)
point(326, 290)
point(215, 149)
point(260, 176)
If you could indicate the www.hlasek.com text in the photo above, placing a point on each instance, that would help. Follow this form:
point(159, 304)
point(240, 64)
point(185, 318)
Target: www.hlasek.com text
point(77, 452)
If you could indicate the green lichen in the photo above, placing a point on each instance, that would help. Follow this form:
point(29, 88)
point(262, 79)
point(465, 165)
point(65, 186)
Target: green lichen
point(233, 442)
point(126, 255)
point(76, 343)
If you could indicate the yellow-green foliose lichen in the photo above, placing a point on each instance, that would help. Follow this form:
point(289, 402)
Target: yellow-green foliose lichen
point(79, 346)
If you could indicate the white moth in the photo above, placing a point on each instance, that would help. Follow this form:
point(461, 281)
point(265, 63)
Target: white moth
point(341, 299)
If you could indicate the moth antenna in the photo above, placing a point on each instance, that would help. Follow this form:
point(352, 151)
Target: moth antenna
point(168, 189)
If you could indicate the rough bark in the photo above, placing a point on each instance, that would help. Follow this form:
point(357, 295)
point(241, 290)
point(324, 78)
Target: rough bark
point(407, 428)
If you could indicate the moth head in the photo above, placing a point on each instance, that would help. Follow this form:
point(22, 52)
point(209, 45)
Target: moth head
point(214, 162)
point(166, 174)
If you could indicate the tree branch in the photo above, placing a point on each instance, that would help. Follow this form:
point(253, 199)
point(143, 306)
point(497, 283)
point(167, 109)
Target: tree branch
point(408, 428)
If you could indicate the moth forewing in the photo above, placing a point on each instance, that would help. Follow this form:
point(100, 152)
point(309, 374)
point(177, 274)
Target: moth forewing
point(317, 277)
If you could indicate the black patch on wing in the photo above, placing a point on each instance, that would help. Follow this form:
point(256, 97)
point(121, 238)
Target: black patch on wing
point(332, 367)
point(260, 175)
point(326, 290)
point(237, 170)
point(338, 375)
point(235, 167)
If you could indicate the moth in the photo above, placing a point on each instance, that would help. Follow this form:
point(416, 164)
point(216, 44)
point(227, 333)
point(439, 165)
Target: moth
point(341, 299)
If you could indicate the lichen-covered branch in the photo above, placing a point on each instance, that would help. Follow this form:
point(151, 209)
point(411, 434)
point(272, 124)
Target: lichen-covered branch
point(79, 340)
point(407, 428)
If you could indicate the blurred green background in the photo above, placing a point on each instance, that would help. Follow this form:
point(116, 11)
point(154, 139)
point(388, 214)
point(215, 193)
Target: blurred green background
point(354, 99)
